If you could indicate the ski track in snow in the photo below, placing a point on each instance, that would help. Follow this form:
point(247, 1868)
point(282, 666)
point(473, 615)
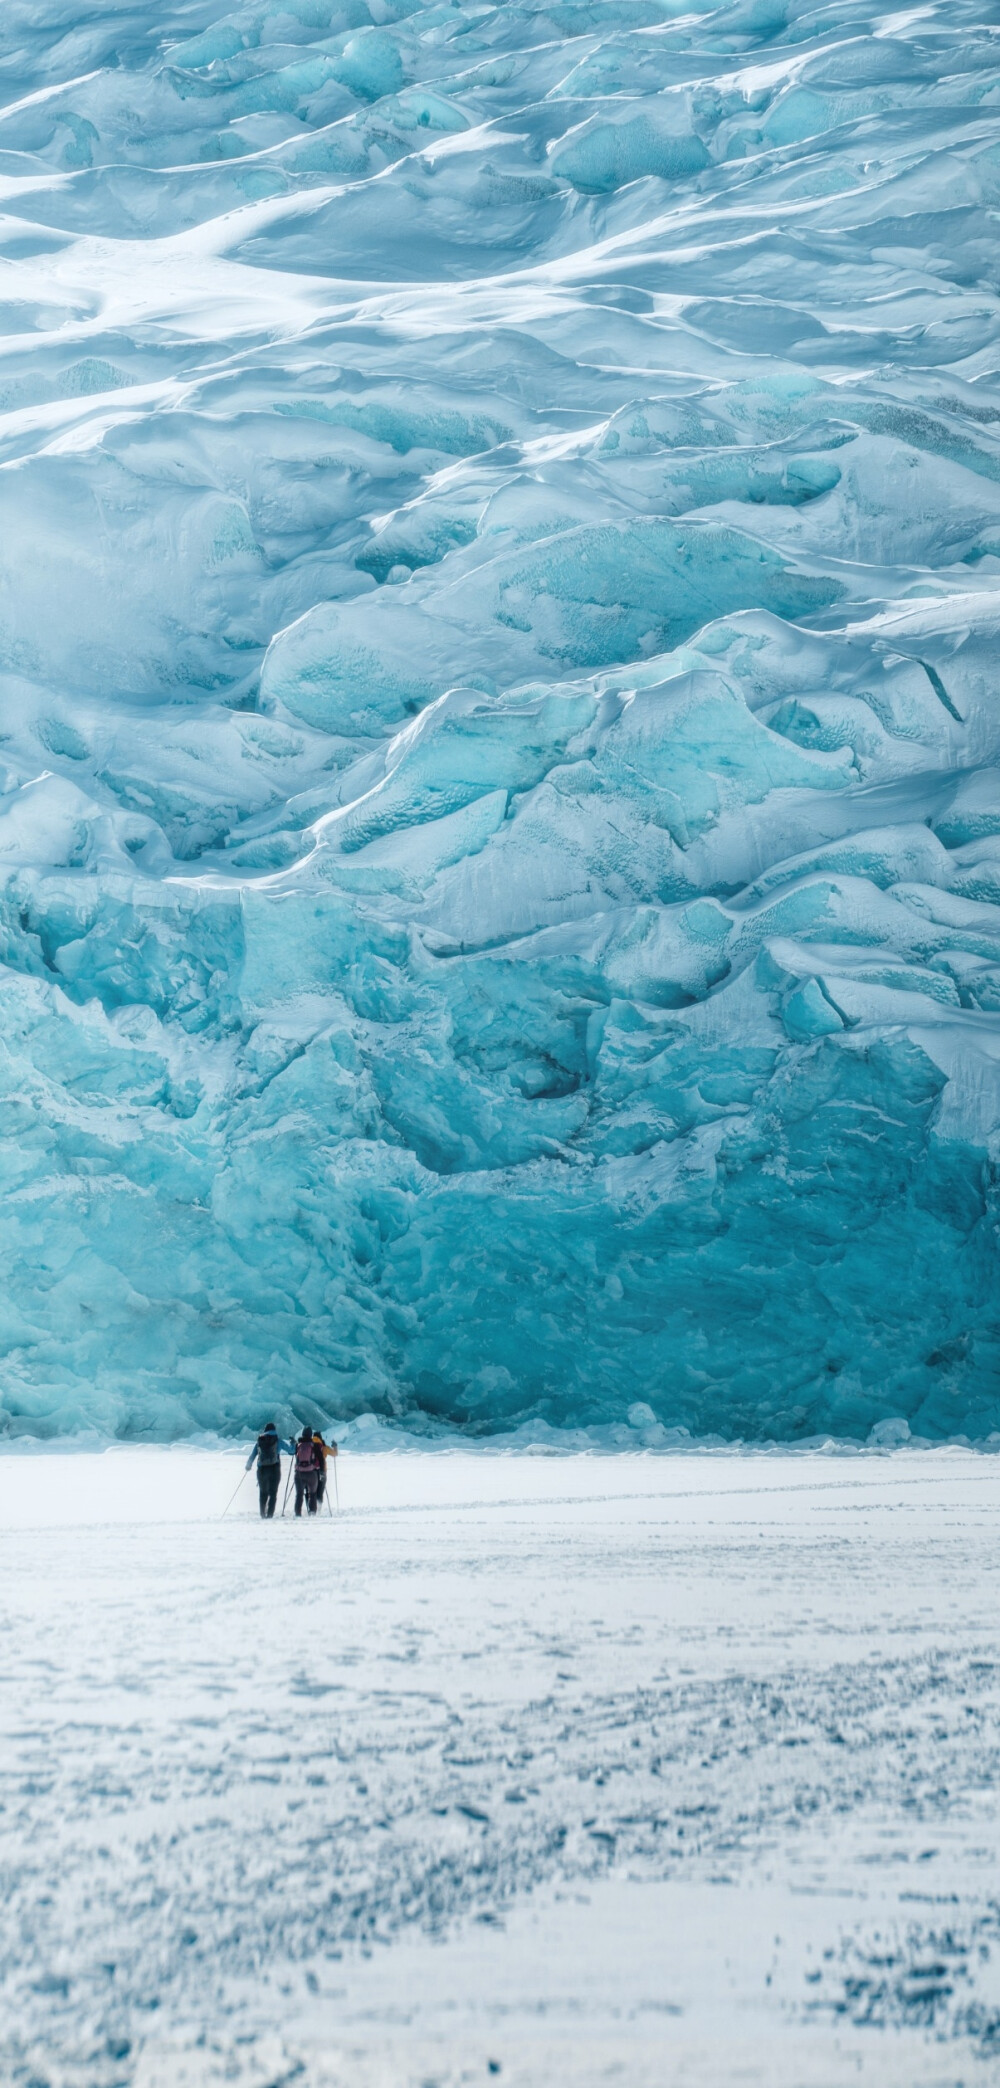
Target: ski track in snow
point(686, 1765)
point(500, 510)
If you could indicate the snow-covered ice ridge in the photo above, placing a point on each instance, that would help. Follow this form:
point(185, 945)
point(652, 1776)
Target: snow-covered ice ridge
point(500, 519)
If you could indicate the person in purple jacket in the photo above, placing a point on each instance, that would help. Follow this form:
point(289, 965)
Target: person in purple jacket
point(308, 1467)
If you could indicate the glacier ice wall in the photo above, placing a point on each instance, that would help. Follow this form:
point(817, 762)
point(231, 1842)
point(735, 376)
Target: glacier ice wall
point(500, 707)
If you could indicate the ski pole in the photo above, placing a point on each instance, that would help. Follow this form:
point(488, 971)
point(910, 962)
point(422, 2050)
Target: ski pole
point(336, 1486)
point(288, 1482)
point(232, 1498)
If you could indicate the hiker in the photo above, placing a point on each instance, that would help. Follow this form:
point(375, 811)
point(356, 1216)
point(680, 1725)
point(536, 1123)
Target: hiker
point(325, 1450)
point(308, 1466)
point(266, 1454)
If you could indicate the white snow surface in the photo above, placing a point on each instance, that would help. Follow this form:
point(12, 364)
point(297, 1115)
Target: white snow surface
point(582, 1769)
point(499, 827)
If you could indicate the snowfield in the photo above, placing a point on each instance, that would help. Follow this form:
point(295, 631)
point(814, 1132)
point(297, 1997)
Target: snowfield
point(566, 1770)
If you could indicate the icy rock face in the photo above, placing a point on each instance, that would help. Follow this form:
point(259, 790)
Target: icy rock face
point(499, 603)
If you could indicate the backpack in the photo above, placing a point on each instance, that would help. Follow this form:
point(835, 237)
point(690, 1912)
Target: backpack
point(305, 1457)
point(268, 1452)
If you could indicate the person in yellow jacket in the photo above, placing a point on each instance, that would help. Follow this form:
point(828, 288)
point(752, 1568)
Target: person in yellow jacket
point(325, 1450)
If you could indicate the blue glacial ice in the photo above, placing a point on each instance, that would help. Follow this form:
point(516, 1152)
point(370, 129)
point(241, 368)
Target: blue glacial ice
point(500, 706)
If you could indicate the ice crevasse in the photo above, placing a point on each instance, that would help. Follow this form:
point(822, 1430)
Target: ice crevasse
point(500, 711)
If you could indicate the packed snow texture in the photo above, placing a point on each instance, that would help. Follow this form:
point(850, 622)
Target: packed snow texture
point(614, 1772)
point(499, 612)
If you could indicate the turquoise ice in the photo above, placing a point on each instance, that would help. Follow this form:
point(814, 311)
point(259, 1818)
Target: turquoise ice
point(499, 618)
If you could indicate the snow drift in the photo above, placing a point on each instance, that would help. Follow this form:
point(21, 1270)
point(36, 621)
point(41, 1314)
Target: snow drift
point(499, 602)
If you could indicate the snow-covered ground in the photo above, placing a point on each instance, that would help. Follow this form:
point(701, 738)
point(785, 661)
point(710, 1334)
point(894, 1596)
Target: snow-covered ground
point(569, 1770)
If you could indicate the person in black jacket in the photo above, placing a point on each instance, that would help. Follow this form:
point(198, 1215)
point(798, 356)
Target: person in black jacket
point(266, 1454)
